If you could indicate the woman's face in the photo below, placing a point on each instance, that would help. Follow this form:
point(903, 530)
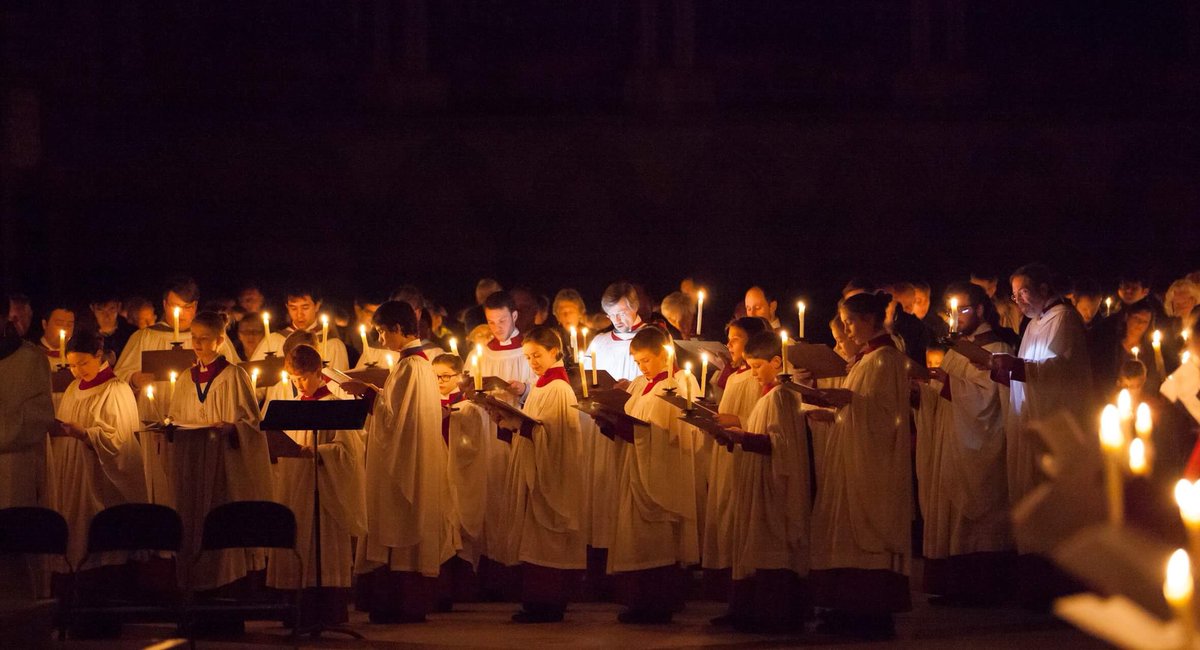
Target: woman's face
point(1136, 324)
point(206, 342)
point(83, 365)
point(860, 328)
point(540, 358)
point(1182, 303)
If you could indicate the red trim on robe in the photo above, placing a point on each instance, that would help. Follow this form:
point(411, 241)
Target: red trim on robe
point(322, 392)
point(657, 378)
point(769, 387)
point(104, 375)
point(633, 329)
point(208, 374)
point(882, 341)
point(513, 344)
point(413, 352)
point(557, 372)
point(453, 398)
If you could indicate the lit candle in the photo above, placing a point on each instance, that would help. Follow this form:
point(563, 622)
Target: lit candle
point(1108, 306)
point(254, 379)
point(267, 330)
point(454, 346)
point(703, 374)
point(1136, 352)
point(475, 368)
point(1189, 512)
point(595, 371)
point(688, 383)
point(954, 315)
point(1186, 334)
point(585, 333)
point(324, 336)
point(1137, 457)
point(1185, 356)
point(1143, 421)
point(390, 360)
point(1112, 441)
point(1156, 343)
point(283, 377)
point(362, 334)
point(1177, 589)
point(1125, 410)
point(150, 397)
point(174, 376)
point(583, 382)
point(574, 339)
point(800, 307)
point(699, 312)
point(670, 360)
point(62, 347)
point(783, 340)
point(176, 313)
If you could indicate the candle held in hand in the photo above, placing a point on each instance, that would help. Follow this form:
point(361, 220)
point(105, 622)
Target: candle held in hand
point(699, 312)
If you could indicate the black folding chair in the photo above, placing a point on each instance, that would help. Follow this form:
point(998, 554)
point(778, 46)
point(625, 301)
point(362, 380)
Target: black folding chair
point(130, 527)
point(34, 531)
point(247, 525)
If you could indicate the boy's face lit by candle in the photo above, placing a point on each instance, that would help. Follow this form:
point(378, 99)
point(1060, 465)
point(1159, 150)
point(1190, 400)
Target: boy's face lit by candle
point(187, 310)
point(206, 342)
point(303, 311)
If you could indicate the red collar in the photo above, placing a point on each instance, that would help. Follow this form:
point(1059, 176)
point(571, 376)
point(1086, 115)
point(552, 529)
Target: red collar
point(769, 387)
point(453, 398)
point(882, 341)
point(51, 352)
point(650, 385)
point(208, 374)
point(413, 352)
point(557, 372)
point(104, 375)
point(321, 393)
point(513, 344)
point(633, 329)
point(729, 371)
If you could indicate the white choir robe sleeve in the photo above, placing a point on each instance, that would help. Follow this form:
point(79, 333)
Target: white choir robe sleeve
point(664, 479)
point(468, 466)
point(557, 444)
point(112, 434)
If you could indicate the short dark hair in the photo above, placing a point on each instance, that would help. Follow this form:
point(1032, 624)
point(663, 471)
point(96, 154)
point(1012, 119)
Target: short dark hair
point(869, 304)
point(453, 360)
point(1087, 288)
point(649, 338)
point(546, 337)
point(182, 286)
point(764, 346)
point(210, 319)
point(395, 314)
point(298, 338)
point(860, 284)
point(751, 325)
point(302, 291)
point(500, 300)
point(618, 290)
point(304, 358)
point(55, 307)
point(1038, 275)
point(86, 341)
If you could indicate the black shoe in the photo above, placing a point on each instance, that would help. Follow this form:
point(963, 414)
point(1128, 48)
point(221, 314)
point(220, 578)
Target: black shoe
point(526, 616)
point(644, 617)
point(394, 618)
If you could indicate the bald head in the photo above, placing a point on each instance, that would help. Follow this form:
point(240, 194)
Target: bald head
point(758, 305)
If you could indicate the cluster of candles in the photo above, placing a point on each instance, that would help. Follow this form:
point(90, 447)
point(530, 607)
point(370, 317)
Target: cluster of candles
point(1125, 441)
point(700, 297)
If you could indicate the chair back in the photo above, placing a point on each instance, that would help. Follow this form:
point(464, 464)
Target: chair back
point(249, 524)
point(135, 527)
point(32, 530)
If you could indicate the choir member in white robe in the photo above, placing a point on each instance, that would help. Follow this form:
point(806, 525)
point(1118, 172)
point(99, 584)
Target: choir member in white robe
point(227, 461)
point(343, 503)
point(861, 522)
point(183, 294)
point(740, 392)
point(1051, 373)
point(771, 501)
point(411, 524)
point(26, 414)
point(304, 310)
point(1183, 386)
point(94, 460)
point(465, 426)
point(545, 485)
point(57, 328)
point(602, 456)
point(654, 532)
point(501, 357)
point(963, 486)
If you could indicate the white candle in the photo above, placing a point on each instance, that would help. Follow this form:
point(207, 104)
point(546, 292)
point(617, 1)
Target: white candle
point(283, 377)
point(1137, 457)
point(954, 315)
point(800, 307)
point(1108, 306)
point(699, 312)
point(174, 376)
point(703, 374)
point(1136, 351)
point(583, 382)
point(1125, 410)
point(1143, 421)
point(670, 360)
point(362, 334)
point(254, 379)
point(324, 336)
point(62, 347)
point(176, 312)
point(783, 345)
point(688, 383)
point(454, 346)
point(475, 368)
point(1178, 589)
point(1156, 343)
point(574, 339)
point(1112, 441)
point(595, 371)
point(1186, 498)
point(267, 330)
point(585, 333)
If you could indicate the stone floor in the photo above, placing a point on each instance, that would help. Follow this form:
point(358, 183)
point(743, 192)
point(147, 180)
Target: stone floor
point(593, 625)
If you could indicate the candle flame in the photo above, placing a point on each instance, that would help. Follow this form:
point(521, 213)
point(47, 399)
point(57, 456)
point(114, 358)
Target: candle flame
point(150, 391)
point(1186, 334)
point(1125, 402)
point(1111, 437)
point(254, 374)
point(1137, 457)
point(1136, 351)
point(703, 357)
point(1177, 588)
point(800, 306)
point(283, 376)
point(325, 320)
point(1189, 505)
point(1156, 338)
point(362, 329)
point(1143, 422)
point(783, 336)
point(174, 375)
point(700, 295)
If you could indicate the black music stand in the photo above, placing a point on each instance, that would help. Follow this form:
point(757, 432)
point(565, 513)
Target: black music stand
point(316, 416)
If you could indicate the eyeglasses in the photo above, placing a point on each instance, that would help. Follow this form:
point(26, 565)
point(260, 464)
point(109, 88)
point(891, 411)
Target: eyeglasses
point(447, 377)
point(1024, 291)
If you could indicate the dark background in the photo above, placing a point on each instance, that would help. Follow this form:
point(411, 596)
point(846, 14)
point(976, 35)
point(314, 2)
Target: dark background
point(365, 144)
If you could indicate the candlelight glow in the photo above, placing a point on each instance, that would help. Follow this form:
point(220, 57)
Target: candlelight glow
point(1137, 457)
point(1189, 505)
point(1111, 437)
point(1143, 421)
point(1178, 586)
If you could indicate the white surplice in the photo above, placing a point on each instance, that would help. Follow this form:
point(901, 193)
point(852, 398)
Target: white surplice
point(468, 448)
point(26, 413)
point(739, 397)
